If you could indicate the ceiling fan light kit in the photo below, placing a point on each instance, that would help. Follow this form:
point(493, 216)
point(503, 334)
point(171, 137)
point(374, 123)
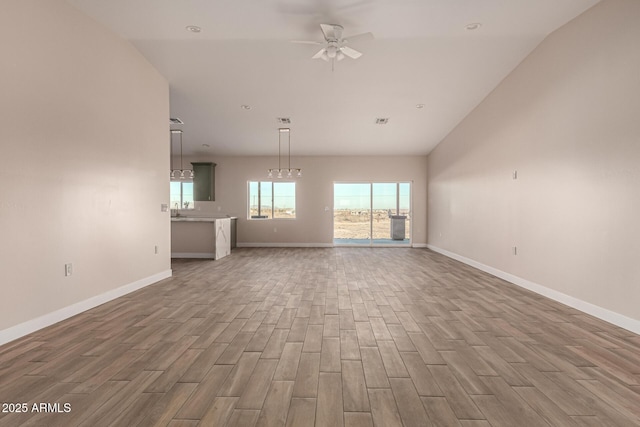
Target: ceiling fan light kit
point(287, 172)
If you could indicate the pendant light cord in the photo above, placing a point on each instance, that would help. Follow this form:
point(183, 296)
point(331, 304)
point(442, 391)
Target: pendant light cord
point(289, 136)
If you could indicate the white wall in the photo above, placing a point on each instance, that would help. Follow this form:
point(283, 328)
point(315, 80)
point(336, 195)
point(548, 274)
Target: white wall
point(314, 225)
point(567, 120)
point(84, 145)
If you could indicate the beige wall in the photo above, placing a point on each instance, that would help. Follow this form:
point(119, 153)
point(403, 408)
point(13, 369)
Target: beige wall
point(314, 191)
point(84, 144)
point(567, 120)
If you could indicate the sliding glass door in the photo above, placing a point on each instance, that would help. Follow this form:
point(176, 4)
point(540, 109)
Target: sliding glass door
point(352, 213)
point(373, 213)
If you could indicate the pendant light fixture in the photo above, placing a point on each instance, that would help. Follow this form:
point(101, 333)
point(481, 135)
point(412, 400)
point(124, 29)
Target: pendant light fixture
point(287, 172)
point(179, 173)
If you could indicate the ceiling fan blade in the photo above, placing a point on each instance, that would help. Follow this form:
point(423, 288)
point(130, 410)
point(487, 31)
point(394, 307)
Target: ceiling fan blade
point(351, 53)
point(305, 42)
point(358, 37)
point(322, 54)
point(331, 31)
point(337, 31)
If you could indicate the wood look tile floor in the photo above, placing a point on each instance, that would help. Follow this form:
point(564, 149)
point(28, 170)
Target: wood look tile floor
point(326, 337)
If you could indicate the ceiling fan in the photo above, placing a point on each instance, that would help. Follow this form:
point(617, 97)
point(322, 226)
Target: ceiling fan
point(336, 48)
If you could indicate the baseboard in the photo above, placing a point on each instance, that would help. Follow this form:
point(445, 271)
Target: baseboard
point(285, 245)
point(612, 317)
point(41, 322)
point(199, 255)
point(419, 245)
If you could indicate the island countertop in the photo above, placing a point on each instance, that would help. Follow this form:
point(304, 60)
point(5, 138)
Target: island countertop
point(199, 219)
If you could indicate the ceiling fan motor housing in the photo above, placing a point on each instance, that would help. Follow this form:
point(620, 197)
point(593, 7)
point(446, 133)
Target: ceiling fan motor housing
point(332, 49)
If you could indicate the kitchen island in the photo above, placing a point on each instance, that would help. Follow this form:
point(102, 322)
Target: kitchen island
point(200, 237)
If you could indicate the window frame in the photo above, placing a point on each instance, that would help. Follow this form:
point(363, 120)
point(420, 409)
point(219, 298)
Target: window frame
point(192, 202)
point(261, 202)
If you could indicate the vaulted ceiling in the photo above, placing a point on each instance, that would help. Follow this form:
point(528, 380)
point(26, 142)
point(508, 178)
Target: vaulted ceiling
point(422, 54)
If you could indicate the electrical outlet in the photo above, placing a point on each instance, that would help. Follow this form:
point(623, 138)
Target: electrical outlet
point(275, 230)
point(68, 269)
point(164, 207)
point(514, 175)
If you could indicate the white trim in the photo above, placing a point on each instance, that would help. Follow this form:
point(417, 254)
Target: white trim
point(612, 317)
point(285, 245)
point(199, 255)
point(49, 319)
point(419, 245)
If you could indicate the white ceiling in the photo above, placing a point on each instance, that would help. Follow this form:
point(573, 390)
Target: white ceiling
point(421, 54)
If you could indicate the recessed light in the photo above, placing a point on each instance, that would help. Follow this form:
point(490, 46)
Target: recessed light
point(193, 28)
point(473, 26)
point(419, 106)
point(246, 107)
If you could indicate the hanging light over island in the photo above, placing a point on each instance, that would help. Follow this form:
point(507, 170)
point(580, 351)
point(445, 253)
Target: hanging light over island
point(179, 173)
point(287, 172)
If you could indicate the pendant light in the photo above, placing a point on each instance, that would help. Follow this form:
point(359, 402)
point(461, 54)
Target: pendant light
point(179, 173)
point(287, 172)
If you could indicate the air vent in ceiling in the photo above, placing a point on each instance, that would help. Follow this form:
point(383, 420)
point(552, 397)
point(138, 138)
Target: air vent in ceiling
point(382, 120)
point(284, 120)
point(175, 121)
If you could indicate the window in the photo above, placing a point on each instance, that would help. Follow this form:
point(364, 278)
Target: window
point(181, 194)
point(268, 200)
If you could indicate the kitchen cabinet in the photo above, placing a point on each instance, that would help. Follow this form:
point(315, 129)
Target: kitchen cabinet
point(204, 181)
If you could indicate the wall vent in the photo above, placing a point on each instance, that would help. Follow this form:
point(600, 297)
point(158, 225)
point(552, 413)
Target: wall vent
point(382, 120)
point(175, 121)
point(284, 120)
